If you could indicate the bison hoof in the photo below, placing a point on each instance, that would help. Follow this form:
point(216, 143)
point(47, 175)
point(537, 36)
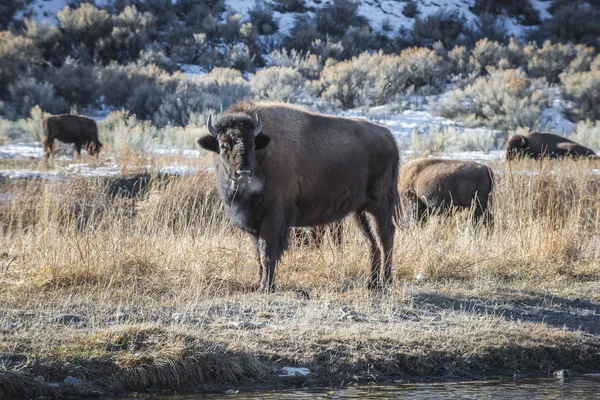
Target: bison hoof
point(263, 288)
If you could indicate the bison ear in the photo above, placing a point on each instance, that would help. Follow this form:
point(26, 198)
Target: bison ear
point(261, 141)
point(209, 143)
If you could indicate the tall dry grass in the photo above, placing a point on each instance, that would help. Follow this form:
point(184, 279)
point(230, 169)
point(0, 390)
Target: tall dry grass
point(174, 236)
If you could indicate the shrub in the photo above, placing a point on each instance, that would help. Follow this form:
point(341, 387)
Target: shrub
point(261, 17)
point(587, 133)
point(75, 83)
point(8, 8)
point(302, 35)
point(195, 97)
point(27, 92)
point(239, 57)
point(309, 65)
point(486, 26)
point(344, 84)
point(335, 18)
point(525, 13)
point(128, 37)
point(18, 55)
point(458, 59)
point(506, 99)
point(552, 59)
point(410, 9)
point(47, 39)
point(277, 83)
point(289, 6)
point(85, 24)
point(443, 26)
point(575, 23)
point(583, 89)
point(121, 130)
point(423, 68)
point(487, 53)
point(359, 39)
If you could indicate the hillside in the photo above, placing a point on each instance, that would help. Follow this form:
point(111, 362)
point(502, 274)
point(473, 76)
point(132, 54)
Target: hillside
point(384, 16)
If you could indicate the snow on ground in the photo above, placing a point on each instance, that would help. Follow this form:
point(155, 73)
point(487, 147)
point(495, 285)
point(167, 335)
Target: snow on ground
point(21, 150)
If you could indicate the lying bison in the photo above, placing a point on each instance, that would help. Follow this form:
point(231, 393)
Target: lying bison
point(538, 145)
point(279, 167)
point(437, 185)
point(67, 128)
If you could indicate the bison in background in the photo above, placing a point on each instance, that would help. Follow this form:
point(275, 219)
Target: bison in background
point(539, 145)
point(437, 185)
point(279, 166)
point(79, 130)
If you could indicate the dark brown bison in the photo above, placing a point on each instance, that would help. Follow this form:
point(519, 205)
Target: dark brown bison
point(538, 145)
point(437, 185)
point(67, 128)
point(279, 167)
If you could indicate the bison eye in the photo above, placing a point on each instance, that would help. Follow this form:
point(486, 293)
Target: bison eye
point(224, 147)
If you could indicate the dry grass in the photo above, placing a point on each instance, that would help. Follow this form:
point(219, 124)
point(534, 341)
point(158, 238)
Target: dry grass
point(156, 279)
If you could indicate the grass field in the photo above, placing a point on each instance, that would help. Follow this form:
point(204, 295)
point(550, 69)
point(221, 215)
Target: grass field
point(152, 291)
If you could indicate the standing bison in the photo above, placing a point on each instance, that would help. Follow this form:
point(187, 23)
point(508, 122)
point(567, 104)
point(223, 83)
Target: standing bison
point(67, 128)
point(437, 185)
point(538, 145)
point(279, 167)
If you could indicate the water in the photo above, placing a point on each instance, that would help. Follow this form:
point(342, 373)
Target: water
point(577, 388)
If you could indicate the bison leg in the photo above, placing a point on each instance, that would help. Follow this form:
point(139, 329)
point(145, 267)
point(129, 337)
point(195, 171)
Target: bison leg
point(385, 229)
point(365, 226)
point(48, 148)
point(272, 242)
point(77, 150)
point(260, 269)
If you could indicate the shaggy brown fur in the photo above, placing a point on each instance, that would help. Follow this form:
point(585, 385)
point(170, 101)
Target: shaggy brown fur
point(305, 169)
point(437, 185)
point(67, 128)
point(538, 145)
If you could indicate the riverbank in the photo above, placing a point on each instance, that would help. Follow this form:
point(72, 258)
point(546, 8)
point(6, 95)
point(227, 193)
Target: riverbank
point(82, 345)
point(108, 292)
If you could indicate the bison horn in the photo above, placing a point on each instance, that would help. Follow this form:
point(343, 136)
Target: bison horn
point(211, 129)
point(258, 127)
point(523, 142)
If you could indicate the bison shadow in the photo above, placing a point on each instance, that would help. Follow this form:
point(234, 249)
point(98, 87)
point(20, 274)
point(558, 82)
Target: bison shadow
point(557, 312)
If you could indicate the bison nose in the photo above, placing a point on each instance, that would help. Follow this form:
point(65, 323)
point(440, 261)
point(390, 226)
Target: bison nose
point(243, 173)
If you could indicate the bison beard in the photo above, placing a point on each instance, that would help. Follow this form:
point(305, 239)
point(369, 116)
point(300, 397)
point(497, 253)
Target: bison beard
point(279, 167)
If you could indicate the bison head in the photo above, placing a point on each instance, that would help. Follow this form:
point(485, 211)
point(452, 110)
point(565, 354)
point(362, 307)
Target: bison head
point(235, 138)
point(515, 146)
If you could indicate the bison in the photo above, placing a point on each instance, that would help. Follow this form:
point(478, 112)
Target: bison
point(77, 129)
point(279, 166)
point(437, 185)
point(538, 145)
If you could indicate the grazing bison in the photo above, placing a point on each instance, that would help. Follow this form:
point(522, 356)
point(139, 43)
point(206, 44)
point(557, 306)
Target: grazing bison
point(538, 145)
point(436, 185)
point(279, 167)
point(67, 128)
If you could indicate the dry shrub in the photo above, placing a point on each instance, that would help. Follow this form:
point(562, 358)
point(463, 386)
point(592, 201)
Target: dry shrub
point(583, 89)
point(506, 99)
point(277, 84)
